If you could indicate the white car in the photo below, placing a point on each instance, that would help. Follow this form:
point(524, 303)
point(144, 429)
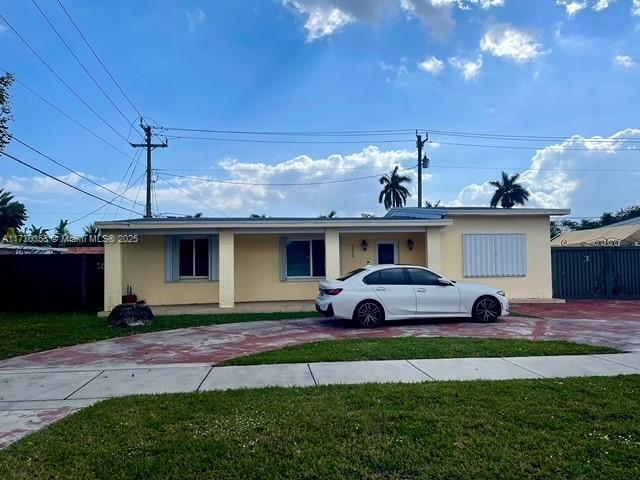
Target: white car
point(376, 293)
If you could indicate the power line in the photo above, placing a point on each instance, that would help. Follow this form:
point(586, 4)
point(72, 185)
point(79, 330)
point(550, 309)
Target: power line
point(65, 183)
point(191, 196)
point(101, 206)
point(44, 62)
point(79, 61)
point(98, 58)
point(255, 140)
point(288, 184)
point(337, 133)
point(33, 149)
point(377, 141)
point(62, 112)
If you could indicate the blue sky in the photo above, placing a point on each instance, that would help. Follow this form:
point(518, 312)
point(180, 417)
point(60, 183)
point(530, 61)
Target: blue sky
point(565, 69)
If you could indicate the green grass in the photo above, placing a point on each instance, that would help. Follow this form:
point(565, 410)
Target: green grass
point(403, 348)
point(22, 333)
point(587, 428)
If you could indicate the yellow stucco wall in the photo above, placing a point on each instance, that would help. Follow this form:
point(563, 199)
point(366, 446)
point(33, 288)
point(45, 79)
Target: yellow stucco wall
point(537, 283)
point(352, 255)
point(258, 276)
point(143, 267)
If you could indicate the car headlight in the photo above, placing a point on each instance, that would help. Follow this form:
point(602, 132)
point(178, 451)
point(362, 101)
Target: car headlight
point(501, 292)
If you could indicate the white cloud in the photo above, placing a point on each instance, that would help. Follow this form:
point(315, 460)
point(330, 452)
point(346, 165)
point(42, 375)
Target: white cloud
point(504, 40)
point(469, 68)
point(561, 177)
point(573, 7)
point(326, 17)
point(623, 61)
point(195, 18)
point(432, 65)
point(601, 5)
point(635, 9)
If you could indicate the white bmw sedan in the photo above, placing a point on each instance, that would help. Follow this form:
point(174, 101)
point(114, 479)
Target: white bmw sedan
point(376, 293)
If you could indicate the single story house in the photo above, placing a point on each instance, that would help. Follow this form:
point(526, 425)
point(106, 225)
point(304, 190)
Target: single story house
point(231, 261)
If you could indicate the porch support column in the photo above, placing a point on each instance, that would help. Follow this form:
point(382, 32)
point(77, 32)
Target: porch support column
point(112, 274)
point(434, 248)
point(332, 253)
point(226, 296)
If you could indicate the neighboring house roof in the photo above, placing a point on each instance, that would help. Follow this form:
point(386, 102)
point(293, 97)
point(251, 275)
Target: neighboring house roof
point(618, 235)
point(396, 217)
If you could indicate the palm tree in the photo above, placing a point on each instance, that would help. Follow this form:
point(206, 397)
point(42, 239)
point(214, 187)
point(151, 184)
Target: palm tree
point(428, 204)
point(37, 235)
point(91, 234)
point(62, 232)
point(394, 194)
point(13, 214)
point(509, 192)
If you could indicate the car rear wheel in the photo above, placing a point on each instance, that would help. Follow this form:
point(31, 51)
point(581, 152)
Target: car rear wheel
point(486, 310)
point(369, 314)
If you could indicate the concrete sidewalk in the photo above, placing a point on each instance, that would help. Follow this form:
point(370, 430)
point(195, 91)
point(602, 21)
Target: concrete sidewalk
point(31, 398)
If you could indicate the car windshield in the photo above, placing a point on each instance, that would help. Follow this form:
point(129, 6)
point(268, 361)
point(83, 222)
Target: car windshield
point(351, 274)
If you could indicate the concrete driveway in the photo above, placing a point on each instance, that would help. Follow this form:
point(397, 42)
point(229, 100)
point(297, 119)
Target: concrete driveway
point(610, 323)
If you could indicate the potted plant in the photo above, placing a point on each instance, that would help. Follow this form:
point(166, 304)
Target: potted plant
point(130, 297)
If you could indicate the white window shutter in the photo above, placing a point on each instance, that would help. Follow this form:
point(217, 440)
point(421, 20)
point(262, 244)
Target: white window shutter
point(495, 255)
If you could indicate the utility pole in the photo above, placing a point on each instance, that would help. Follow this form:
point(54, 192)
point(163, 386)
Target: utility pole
point(149, 146)
point(423, 162)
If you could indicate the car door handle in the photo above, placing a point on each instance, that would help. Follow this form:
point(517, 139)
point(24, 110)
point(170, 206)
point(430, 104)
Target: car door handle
point(380, 289)
point(421, 289)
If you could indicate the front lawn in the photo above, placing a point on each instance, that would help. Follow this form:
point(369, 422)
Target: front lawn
point(404, 348)
point(22, 333)
point(535, 429)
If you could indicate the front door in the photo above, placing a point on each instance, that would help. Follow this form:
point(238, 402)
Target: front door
point(432, 297)
point(386, 253)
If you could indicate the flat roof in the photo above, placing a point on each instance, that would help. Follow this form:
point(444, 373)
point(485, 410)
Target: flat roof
point(418, 212)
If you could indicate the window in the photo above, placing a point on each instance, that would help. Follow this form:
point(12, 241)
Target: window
point(191, 257)
point(495, 255)
point(417, 276)
point(305, 258)
point(194, 257)
point(389, 276)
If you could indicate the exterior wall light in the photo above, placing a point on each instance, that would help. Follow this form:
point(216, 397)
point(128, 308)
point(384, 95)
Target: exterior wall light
point(365, 245)
point(410, 244)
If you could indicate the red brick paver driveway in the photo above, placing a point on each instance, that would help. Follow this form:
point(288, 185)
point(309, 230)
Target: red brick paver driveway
point(612, 323)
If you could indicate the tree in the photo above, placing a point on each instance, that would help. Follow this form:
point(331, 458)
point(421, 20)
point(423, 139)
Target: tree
point(91, 233)
point(428, 204)
point(331, 214)
point(5, 110)
point(255, 215)
point(509, 192)
point(62, 233)
point(394, 193)
point(13, 214)
point(37, 236)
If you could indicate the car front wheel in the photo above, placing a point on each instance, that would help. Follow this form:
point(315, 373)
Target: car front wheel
point(369, 314)
point(486, 310)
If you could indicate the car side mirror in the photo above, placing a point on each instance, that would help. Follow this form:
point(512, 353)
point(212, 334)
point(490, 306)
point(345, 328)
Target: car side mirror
point(444, 282)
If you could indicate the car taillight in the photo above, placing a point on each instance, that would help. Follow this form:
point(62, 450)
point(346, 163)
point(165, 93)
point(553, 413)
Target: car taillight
point(332, 291)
